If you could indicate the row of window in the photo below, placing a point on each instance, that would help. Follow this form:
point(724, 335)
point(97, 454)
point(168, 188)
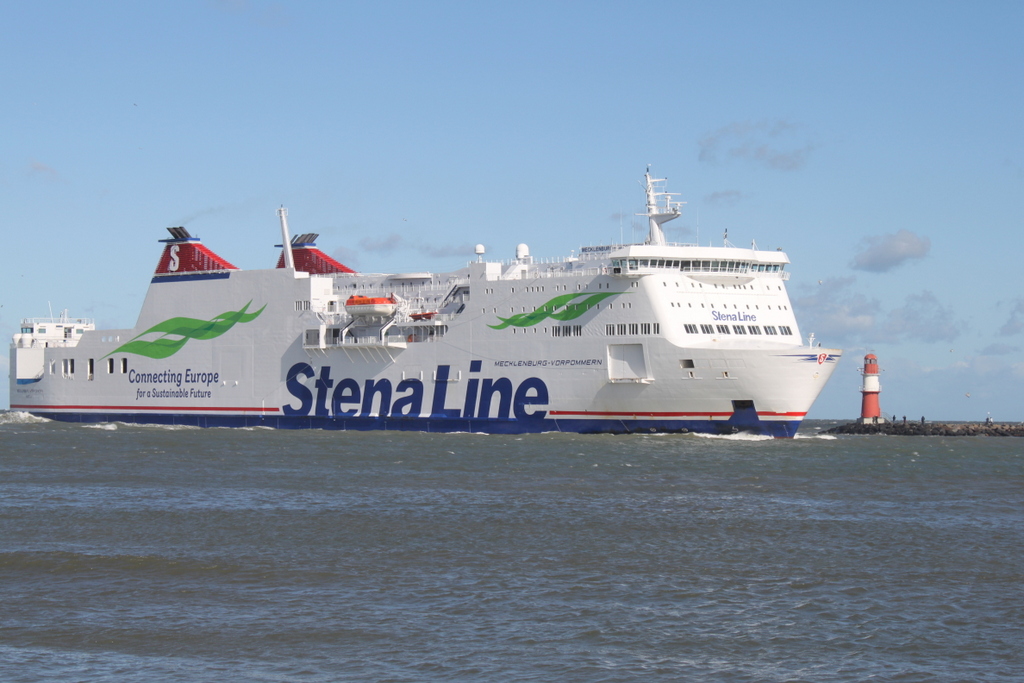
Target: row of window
point(69, 332)
point(769, 330)
point(557, 288)
point(525, 309)
point(699, 266)
point(757, 307)
point(67, 367)
point(622, 329)
point(632, 328)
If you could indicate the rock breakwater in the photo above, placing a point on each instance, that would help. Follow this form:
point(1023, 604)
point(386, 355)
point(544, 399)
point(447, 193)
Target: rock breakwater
point(932, 429)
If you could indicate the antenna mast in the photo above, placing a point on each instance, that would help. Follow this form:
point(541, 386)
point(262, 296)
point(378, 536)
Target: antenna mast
point(656, 215)
point(289, 260)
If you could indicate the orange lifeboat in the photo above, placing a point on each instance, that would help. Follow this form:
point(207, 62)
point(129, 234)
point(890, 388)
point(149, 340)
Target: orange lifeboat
point(371, 306)
point(423, 316)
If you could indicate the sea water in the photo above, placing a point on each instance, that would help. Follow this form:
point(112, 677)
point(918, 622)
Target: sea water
point(181, 554)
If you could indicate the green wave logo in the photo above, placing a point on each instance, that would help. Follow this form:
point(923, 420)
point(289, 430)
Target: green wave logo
point(175, 333)
point(569, 310)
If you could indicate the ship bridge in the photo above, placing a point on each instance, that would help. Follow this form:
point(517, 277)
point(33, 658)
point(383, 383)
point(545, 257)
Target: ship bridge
point(60, 331)
point(643, 260)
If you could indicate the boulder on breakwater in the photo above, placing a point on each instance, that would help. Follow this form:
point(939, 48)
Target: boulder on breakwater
point(932, 429)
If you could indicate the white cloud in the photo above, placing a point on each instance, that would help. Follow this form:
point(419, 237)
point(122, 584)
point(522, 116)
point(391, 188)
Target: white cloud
point(768, 143)
point(922, 318)
point(1016, 321)
point(835, 313)
point(999, 350)
point(882, 253)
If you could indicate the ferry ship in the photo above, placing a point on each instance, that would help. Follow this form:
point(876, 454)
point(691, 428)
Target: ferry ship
point(652, 337)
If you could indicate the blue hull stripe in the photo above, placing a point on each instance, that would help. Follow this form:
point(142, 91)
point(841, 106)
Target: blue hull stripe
point(738, 423)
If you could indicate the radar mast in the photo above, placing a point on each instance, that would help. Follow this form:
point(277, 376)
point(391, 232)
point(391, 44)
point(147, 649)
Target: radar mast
point(656, 215)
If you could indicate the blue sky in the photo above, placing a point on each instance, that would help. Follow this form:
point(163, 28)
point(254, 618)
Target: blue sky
point(880, 144)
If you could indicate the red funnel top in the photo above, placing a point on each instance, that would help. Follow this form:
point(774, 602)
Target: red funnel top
point(186, 254)
point(309, 259)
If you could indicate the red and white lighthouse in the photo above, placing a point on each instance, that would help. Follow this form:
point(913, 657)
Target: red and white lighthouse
point(870, 412)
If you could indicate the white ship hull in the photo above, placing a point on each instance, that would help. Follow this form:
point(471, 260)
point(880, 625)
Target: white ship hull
point(591, 344)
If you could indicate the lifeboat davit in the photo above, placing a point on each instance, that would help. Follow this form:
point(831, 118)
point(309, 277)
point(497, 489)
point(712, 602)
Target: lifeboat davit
point(371, 306)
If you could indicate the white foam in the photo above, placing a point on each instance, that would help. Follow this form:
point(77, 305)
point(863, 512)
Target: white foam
point(172, 428)
point(17, 417)
point(738, 436)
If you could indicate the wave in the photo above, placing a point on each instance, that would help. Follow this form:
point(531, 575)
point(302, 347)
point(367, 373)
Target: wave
point(17, 417)
point(163, 427)
point(67, 563)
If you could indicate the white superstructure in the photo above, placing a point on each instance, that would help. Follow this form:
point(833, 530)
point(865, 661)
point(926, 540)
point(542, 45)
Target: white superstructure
point(652, 337)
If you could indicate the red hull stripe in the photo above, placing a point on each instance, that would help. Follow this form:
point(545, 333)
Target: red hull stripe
point(598, 413)
point(170, 409)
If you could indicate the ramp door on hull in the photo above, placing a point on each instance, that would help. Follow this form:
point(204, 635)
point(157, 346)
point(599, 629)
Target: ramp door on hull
point(626, 363)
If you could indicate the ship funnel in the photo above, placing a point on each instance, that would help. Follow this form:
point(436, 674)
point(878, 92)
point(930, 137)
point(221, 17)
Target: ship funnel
point(185, 254)
point(308, 258)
